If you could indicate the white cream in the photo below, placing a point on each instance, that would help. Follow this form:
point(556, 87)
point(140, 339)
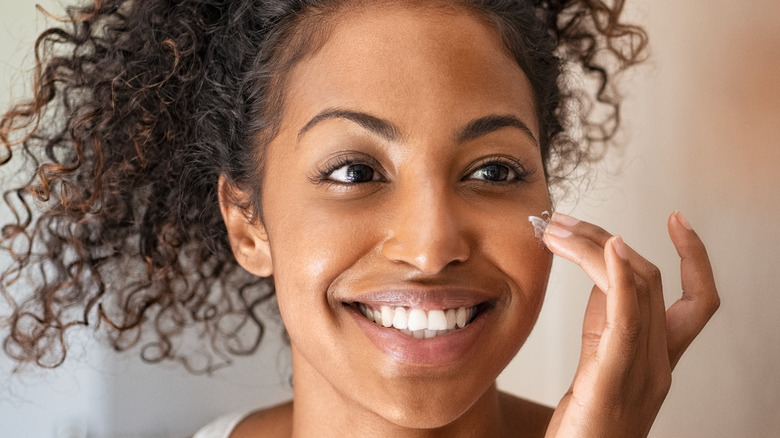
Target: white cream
point(539, 224)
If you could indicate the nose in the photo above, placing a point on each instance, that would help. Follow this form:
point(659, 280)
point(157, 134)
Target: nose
point(426, 231)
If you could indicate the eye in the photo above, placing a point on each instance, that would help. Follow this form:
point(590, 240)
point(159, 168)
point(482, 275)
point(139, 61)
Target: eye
point(499, 170)
point(353, 174)
point(494, 172)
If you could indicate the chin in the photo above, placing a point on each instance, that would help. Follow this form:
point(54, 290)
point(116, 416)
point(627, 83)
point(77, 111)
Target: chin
point(426, 406)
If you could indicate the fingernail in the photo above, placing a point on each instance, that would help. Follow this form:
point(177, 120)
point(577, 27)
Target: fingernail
point(620, 247)
point(564, 219)
point(683, 220)
point(557, 231)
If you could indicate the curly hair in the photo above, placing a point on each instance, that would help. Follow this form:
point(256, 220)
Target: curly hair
point(140, 105)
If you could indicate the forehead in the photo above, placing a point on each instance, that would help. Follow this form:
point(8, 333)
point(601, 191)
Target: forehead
point(408, 62)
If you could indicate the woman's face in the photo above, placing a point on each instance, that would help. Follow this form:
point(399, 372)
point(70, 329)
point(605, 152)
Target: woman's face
point(401, 182)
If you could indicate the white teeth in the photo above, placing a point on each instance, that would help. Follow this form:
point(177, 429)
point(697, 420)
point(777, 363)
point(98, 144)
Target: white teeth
point(417, 319)
point(417, 322)
point(400, 319)
point(387, 316)
point(437, 320)
point(452, 318)
point(462, 317)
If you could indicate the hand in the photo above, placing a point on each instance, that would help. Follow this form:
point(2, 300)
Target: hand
point(630, 342)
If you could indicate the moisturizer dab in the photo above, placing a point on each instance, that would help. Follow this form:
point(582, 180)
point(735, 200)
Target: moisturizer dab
point(539, 224)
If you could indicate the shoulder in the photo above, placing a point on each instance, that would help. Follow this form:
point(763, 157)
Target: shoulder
point(271, 422)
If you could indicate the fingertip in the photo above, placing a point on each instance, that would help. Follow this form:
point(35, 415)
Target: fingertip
point(684, 237)
point(681, 220)
point(619, 246)
point(617, 260)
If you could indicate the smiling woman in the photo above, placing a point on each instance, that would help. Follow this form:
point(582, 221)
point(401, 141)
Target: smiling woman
point(371, 165)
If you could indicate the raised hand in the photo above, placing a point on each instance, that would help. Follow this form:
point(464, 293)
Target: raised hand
point(630, 341)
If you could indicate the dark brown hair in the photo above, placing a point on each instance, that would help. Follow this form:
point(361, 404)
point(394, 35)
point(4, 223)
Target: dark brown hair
point(139, 107)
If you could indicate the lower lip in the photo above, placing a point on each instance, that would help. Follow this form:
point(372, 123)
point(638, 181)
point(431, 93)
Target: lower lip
point(440, 350)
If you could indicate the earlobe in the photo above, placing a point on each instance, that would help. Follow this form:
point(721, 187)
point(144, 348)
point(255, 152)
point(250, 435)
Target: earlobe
point(248, 238)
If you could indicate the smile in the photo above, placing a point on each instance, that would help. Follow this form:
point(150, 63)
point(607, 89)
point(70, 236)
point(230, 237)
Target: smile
point(419, 323)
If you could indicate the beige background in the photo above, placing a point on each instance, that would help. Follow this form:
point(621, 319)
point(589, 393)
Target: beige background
point(703, 136)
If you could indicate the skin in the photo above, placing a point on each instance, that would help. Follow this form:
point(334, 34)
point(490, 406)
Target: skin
point(431, 219)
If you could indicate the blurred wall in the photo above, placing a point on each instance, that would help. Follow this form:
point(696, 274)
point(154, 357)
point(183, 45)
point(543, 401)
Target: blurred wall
point(703, 128)
point(703, 136)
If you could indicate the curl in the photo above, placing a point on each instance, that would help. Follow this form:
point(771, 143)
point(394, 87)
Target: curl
point(137, 109)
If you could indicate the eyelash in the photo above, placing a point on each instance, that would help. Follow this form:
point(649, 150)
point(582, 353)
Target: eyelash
point(515, 166)
point(324, 175)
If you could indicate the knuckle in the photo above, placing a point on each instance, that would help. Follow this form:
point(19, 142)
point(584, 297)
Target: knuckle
point(713, 304)
point(642, 286)
point(653, 274)
point(602, 233)
point(630, 332)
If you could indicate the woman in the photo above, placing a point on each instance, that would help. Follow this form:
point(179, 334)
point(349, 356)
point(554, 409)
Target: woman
point(372, 164)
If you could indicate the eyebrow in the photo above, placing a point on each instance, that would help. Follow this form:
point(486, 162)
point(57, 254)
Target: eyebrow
point(374, 124)
point(475, 129)
point(485, 125)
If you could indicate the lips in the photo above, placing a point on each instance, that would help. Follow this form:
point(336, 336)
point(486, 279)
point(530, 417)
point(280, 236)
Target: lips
point(425, 326)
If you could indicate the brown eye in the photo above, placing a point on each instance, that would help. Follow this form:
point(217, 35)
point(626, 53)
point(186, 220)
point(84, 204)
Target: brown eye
point(494, 172)
point(353, 174)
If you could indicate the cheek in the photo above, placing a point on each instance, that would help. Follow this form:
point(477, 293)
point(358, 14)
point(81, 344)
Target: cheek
point(311, 247)
point(509, 244)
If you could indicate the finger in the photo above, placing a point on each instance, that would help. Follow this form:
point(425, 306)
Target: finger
point(593, 232)
point(624, 328)
point(574, 243)
point(583, 243)
point(599, 236)
point(593, 325)
point(687, 317)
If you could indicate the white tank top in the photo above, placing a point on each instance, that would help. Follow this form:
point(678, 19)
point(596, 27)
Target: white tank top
point(222, 427)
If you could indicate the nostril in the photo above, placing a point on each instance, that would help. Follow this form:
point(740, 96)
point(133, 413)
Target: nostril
point(427, 253)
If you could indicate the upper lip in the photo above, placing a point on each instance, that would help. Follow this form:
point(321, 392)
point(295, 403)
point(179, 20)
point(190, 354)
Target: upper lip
point(426, 298)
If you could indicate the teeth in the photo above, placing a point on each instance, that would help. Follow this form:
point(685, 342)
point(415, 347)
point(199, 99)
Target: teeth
point(369, 314)
point(452, 318)
point(400, 319)
point(417, 319)
point(462, 317)
point(417, 322)
point(436, 320)
point(387, 316)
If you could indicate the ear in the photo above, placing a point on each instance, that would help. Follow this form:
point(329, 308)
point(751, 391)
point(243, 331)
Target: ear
point(248, 237)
